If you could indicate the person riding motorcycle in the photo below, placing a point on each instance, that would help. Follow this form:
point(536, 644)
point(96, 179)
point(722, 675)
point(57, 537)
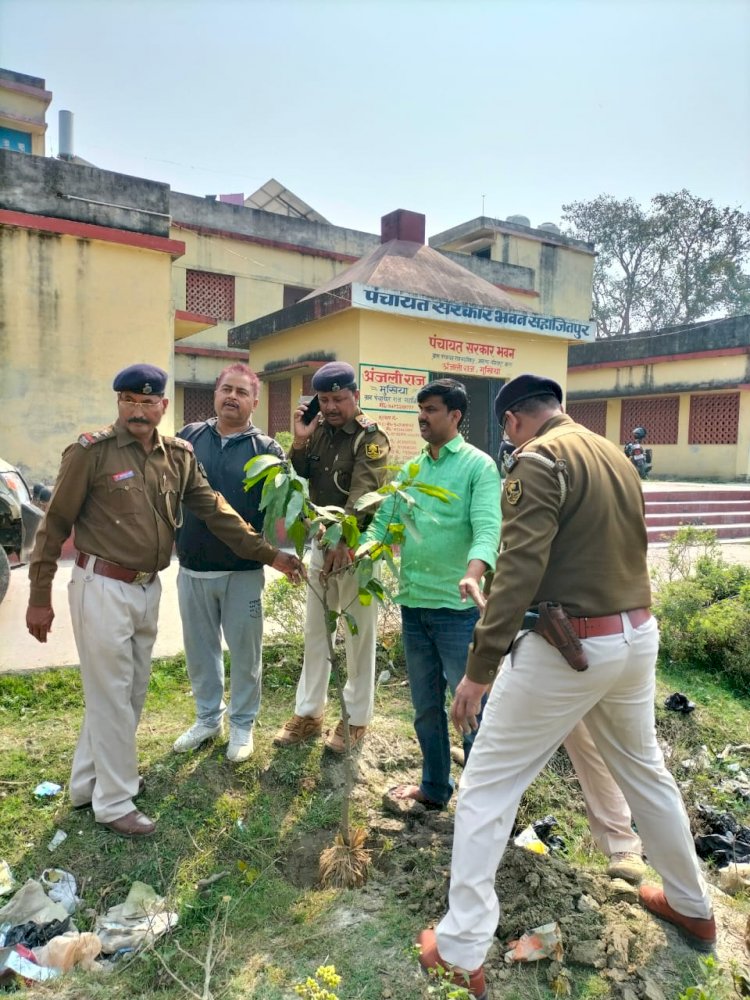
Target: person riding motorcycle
point(640, 456)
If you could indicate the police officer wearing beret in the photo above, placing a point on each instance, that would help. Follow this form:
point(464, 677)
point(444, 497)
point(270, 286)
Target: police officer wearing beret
point(573, 533)
point(344, 455)
point(121, 490)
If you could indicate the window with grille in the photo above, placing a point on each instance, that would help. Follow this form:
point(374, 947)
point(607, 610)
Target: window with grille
point(279, 406)
point(660, 416)
point(714, 418)
point(210, 294)
point(198, 404)
point(592, 415)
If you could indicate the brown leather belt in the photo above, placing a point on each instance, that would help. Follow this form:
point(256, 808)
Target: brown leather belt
point(109, 569)
point(591, 628)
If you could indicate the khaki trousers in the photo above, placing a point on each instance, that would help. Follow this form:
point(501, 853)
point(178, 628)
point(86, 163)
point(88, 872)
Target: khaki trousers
point(359, 691)
point(114, 625)
point(606, 808)
point(532, 708)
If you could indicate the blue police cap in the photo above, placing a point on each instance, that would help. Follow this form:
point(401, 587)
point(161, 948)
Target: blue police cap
point(334, 376)
point(524, 387)
point(147, 380)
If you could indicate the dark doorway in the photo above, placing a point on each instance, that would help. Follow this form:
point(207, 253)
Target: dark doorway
point(479, 426)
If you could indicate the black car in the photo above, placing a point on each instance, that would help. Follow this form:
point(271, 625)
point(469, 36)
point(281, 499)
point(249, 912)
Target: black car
point(19, 520)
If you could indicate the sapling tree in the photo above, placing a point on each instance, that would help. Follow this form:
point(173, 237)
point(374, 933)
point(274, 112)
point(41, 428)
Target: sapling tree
point(285, 499)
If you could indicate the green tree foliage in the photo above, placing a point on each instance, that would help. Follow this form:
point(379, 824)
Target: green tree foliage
point(285, 498)
point(678, 261)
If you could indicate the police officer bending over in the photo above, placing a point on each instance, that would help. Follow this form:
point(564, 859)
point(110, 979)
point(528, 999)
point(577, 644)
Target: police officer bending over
point(120, 490)
point(573, 550)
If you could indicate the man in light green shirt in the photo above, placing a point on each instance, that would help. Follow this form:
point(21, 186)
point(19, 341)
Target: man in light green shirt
point(440, 578)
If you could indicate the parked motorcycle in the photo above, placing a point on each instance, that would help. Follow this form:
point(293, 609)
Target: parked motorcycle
point(639, 455)
point(19, 520)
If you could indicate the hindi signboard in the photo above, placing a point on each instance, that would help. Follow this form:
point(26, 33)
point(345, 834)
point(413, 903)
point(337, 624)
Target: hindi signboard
point(489, 317)
point(389, 389)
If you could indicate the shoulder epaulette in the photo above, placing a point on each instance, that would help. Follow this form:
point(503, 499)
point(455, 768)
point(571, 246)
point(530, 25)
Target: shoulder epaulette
point(93, 437)
point(557, 467)
point(364, 421)
point(176, 442)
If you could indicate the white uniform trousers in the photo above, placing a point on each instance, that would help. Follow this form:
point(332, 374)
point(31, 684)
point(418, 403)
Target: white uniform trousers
point(606, 808)
point(114, 625)
point(531, 709)
point(359, 691)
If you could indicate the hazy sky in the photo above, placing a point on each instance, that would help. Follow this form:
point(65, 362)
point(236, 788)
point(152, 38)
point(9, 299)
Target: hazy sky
point(364, 106)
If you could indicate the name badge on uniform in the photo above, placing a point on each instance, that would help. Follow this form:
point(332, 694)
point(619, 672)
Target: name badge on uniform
point(119, 476)
point(513, 491)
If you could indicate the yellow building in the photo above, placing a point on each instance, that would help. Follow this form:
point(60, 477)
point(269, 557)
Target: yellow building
point(101, 270)
point(23, 109)
point(85, 289)
point(241, 262)
point(688, 386)
point(560, 268)
point(403, 315)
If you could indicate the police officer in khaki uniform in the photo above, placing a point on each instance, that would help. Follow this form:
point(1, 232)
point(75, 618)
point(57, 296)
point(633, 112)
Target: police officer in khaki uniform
point(574, 535)
point(121, 489)
point(343, 454)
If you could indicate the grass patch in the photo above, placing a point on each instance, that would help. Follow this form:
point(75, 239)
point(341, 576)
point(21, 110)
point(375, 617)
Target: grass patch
point(263, 823)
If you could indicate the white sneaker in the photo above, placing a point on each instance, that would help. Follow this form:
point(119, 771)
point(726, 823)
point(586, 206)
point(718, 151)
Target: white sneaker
point(240, 744)
point(198, 733)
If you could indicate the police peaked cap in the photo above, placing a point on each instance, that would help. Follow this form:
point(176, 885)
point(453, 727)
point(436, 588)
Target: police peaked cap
point(147, 380)
point(333, 377)
point(521, 388)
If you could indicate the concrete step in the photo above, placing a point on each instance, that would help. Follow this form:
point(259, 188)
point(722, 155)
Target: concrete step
point(661, 534)
point(723, 509)
point(695, 506)
point(699, 519)
point(659, 492)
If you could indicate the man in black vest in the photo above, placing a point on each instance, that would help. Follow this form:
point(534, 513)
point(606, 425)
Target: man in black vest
point(217, 590)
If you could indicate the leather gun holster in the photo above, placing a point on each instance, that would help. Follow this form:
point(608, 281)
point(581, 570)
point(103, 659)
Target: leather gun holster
point(553, 626)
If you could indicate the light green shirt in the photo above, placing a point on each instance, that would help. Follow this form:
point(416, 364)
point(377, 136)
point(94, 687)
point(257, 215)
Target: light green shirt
point(466, 528)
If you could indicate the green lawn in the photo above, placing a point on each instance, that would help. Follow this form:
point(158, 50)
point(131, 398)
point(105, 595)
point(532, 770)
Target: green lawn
point(262, 824)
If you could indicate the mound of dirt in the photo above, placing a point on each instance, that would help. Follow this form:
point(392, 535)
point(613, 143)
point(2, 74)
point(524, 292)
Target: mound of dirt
point(603, 927)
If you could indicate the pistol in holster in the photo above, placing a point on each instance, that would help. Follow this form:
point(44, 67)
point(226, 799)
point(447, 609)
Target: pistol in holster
point(553, 625)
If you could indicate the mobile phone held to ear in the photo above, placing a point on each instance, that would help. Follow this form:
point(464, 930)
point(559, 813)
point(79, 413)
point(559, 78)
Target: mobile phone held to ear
point(313, 409)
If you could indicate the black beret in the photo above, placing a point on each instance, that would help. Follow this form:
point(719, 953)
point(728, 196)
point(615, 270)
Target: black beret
point(147, 380)
point(524, 387)
point(334, 376)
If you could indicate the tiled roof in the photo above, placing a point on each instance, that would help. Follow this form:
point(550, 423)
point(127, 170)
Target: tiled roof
point(403, 266)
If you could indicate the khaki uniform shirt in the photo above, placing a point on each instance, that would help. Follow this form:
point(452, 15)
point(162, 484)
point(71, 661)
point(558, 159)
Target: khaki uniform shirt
point(586, 551)
point(343, 463)
point(123, 505)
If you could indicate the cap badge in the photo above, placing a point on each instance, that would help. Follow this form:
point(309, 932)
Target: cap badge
point(147, 390)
